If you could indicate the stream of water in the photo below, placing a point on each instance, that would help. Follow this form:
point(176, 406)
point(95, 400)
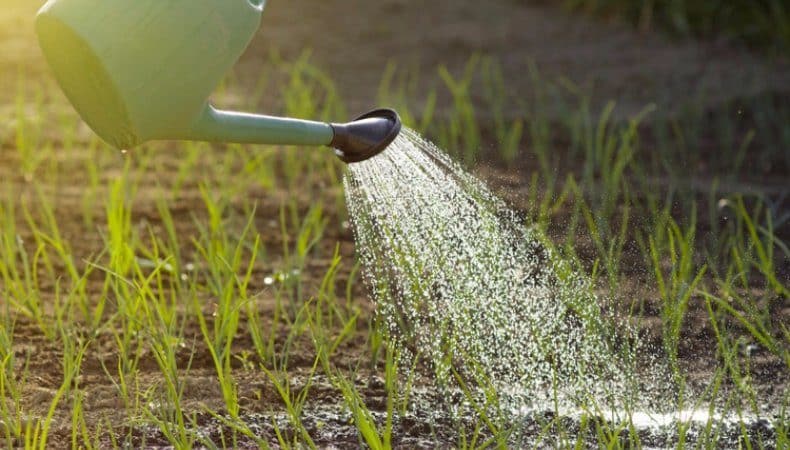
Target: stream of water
point(461, 281)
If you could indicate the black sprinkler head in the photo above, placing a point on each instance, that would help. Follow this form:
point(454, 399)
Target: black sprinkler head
point(366, 136)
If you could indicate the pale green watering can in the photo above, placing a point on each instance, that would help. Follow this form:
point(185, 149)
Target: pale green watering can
point(140, 70)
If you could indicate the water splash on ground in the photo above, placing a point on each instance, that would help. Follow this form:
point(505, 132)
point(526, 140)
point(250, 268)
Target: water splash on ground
point(461, 281)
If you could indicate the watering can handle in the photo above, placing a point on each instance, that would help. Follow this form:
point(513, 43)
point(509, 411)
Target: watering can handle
point(215, 125)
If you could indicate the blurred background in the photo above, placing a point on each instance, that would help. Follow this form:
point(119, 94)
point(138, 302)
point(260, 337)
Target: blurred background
point(635, 52)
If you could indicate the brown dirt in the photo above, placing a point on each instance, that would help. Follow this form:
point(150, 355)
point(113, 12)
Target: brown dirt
point(354, 40)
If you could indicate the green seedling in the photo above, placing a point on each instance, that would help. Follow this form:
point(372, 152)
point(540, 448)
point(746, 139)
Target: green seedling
point(508, 133)
point(678, 287)
point(462, 131)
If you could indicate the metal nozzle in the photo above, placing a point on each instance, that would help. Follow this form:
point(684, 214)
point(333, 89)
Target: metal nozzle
point(366, 136)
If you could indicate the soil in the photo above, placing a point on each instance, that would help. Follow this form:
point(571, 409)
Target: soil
point(353, 40)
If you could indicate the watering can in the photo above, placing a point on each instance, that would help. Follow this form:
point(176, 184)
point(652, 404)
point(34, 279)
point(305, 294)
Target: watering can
point(140, 70)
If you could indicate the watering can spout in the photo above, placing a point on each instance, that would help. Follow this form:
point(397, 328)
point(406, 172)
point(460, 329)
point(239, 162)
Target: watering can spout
point(366, 136)
point(355, 141)
point(137, 70)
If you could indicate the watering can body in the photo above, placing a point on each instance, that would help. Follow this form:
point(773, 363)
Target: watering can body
point(139, 70)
